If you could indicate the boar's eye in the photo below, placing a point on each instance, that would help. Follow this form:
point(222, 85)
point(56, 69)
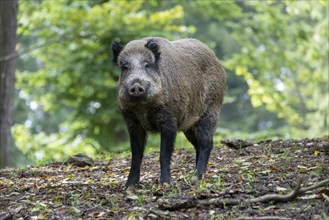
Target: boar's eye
point(124, 67)
point(146, 65)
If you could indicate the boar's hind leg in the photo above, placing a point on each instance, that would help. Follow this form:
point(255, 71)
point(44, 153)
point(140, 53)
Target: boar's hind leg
point(190, 135)
point(204, 132)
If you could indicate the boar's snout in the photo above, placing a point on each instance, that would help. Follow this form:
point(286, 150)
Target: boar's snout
point(137, 90)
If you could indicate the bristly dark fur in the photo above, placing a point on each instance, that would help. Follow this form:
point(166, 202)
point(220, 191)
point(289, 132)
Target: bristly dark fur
point(154, 47)
point(116, 48)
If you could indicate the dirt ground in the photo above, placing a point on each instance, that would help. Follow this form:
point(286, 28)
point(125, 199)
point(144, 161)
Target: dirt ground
point(59, 191)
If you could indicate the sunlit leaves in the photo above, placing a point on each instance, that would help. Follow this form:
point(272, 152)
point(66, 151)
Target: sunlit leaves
point(216, 9)
point(47, 147)
point(75, 70)
point(284, 58)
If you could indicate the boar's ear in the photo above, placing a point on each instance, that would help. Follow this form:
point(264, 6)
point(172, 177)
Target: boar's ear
point(154, 47)
point(116, 49)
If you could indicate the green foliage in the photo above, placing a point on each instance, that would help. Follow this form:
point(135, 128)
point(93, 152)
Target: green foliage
point(48, 147)
point(215, 30)
point(284, 60)
point(75, 77)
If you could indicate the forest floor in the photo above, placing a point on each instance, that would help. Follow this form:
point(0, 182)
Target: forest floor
point(61, 191)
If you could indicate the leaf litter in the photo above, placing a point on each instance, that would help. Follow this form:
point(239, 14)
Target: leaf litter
point(96, 190)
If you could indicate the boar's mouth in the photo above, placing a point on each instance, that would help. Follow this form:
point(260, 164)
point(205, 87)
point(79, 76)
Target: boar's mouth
point(139, 99)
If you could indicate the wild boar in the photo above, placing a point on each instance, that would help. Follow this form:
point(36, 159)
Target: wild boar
point(166, 87)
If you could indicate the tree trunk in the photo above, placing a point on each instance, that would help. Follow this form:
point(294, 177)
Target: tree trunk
point(8, 40)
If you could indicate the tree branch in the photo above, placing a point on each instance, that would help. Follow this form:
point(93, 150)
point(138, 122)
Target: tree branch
point(265, 218)
point(28, 50)
point(17, 53)
point(181, 203)
point(277, 197)
point(314, 186)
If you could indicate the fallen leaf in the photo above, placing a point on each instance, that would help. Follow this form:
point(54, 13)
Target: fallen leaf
point(270, 207)
point(76, 210)
point(325, 197)
point(325, 191)
point(313, 196)
point(212, 212)
point(274, 168)
point(278, 188)
point(266, 172)
point(132, 197)
point(96, 214)
point(301, 167)
point(246, 164)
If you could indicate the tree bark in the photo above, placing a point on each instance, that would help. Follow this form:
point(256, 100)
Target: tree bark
point(8, 40)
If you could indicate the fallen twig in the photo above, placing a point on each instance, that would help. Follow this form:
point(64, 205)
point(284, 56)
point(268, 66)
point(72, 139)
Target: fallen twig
point(277, 197)
point(265, 218)
point(314, 186)
point(181, 203)
point(157, 214)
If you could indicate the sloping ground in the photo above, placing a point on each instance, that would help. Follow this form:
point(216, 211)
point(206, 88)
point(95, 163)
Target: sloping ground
point(60, 191)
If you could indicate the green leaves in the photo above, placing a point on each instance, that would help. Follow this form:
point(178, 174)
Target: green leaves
point(281, 59)
point(48, 147)
point(74, 69)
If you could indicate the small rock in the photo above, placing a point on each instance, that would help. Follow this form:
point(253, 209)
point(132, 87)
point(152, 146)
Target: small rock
point(80, 160)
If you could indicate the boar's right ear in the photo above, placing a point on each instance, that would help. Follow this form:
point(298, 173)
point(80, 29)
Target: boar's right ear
point(154, 47)
point(116, 49)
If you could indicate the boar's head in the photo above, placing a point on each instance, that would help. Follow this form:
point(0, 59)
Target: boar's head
point(140, 79)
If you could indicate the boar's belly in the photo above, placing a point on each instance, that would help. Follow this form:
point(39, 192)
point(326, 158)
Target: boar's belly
point(188, 122)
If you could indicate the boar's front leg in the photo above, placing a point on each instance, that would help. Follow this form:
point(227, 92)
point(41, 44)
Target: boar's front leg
point(138, 137)
point(137, 143)
point(166, 149)
point(164, 122)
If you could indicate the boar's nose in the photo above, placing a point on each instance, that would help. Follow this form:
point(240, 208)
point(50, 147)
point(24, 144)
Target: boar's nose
point(136, 90)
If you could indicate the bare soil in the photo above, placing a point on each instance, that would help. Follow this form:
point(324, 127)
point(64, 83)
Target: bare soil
point(61, 191)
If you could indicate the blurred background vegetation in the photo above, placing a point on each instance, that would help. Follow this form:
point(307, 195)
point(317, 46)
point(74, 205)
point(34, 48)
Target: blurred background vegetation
point(275, 53)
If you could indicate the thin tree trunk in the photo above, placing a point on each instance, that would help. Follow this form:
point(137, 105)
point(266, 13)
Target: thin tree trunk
point(8, 40)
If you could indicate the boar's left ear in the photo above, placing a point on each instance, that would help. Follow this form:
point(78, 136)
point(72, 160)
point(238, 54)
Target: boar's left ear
point(116, 49)
point(154, 47)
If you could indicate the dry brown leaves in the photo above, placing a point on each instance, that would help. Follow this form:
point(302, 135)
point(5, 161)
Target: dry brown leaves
point(64, 191)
